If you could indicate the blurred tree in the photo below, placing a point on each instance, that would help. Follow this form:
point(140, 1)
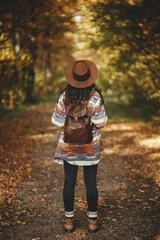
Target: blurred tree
point(33, 35)
point(39, 38)
point(127, 33)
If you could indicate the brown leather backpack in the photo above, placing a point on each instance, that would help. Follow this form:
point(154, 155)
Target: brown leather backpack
point(78, 125)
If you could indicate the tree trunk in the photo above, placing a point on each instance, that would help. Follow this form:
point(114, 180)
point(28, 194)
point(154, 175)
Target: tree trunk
point(16, 47)
point(11, 99)
point(29, 84)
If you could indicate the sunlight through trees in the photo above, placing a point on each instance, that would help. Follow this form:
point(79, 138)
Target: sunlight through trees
point(39, 39)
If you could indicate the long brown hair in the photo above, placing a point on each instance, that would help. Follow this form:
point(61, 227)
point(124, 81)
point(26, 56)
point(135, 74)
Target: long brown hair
point(76, 95)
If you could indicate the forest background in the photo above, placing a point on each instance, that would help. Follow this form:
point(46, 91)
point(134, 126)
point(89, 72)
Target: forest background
point(38, 39)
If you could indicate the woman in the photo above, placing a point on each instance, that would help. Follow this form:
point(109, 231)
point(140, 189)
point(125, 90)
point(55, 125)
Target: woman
point(80, 76)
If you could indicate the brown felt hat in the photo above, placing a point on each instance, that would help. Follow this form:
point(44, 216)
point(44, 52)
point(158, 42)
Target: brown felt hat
point(81, 73)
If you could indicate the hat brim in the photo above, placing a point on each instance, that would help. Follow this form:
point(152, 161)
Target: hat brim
point(82, 84)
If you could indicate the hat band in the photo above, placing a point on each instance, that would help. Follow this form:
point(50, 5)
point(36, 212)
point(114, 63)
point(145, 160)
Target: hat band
point(81, 78)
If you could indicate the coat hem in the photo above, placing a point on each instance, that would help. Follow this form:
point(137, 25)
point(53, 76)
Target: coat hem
point(77, 163)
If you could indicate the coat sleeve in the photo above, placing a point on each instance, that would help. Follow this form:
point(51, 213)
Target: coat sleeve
point(59, 113)
point(99, 117)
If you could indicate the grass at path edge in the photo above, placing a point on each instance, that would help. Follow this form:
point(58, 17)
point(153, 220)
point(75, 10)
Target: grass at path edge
point(116, 109)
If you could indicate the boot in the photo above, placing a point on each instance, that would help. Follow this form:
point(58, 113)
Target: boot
point(68, 226)
point(93, 226)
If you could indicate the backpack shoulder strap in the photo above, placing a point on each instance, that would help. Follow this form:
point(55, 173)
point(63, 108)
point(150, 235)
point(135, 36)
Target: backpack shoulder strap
point(90, 109)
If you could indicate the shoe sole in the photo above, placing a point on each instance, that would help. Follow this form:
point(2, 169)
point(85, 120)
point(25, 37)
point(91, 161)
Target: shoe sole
point(69, 230)
point(93, 231)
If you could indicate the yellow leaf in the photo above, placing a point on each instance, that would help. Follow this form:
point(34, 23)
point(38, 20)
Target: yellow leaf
point(114, 220)
point(152, 199)
point(139, 200)
point(145, 185)
point(35, 190)
point(29, 169)
point(19, 222)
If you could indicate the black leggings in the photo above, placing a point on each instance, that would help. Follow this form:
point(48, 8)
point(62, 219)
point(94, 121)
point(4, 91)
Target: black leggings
point(90, 173)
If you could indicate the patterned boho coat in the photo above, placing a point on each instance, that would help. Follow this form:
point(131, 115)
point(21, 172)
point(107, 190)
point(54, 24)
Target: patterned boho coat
point(86, 154)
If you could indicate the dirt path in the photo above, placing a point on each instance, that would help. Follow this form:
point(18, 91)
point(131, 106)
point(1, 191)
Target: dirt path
point(127, 181)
